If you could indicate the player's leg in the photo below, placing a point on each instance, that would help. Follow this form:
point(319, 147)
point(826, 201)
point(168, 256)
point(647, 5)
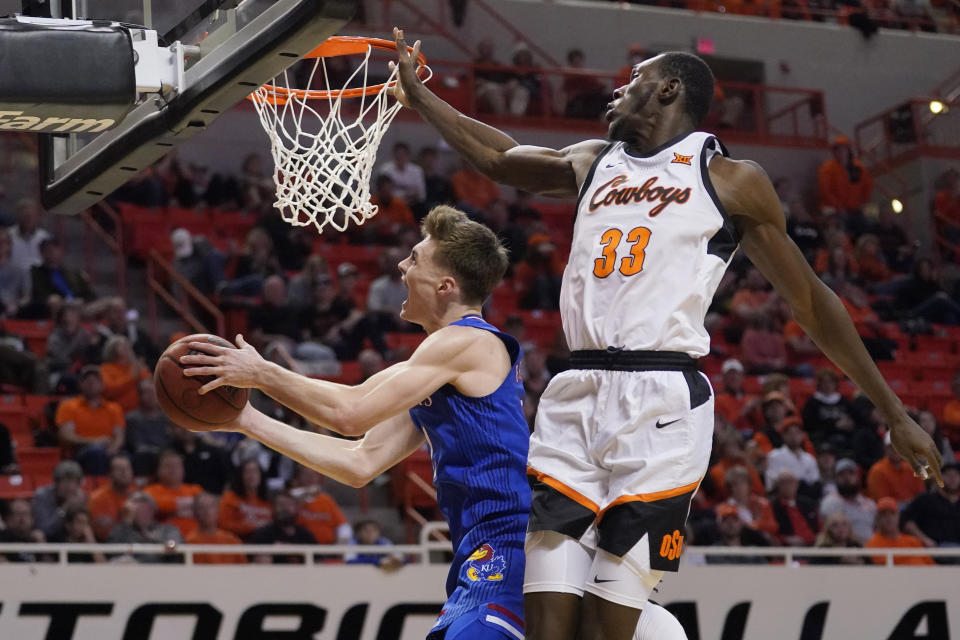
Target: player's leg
point(656, 623)
point(566, 486)
point(482, 626)
point(602, 619)
point(616, 595)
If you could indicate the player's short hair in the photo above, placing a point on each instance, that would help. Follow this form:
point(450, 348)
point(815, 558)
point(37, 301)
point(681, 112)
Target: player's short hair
point(697, 81)
point(470, 251)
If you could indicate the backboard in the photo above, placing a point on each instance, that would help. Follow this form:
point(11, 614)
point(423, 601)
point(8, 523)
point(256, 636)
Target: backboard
point(232, 47)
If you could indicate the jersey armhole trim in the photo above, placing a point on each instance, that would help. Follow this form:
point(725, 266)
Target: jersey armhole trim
point(589, 178)
point(725, 242)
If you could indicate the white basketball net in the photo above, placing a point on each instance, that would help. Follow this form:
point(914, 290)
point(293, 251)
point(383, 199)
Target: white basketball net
point(322, 164)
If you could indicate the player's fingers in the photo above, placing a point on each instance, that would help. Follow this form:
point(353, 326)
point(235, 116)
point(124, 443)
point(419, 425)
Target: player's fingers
point(240, 341)
point(195, 358)
point(202, 371)
point(206, 347)
point(210, 386)
point(416, 50)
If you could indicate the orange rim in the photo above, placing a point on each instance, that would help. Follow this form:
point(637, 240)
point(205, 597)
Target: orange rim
point(340, 46)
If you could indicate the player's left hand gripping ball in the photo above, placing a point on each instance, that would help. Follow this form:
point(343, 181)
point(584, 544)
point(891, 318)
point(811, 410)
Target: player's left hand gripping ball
point(232, 367)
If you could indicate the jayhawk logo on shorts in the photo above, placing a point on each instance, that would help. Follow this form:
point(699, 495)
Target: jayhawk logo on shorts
point(484, 564)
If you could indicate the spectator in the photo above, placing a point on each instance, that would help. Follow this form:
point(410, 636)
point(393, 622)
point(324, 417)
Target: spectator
point(524, 87)
point(408, 179)
point(775, 411)
point(197, 260)
point(371, 363)
point(244, 506)
point(584, 95)
point(923, 296)
point(369, 533)
point(205, 508)
point(800, 226)
point(871, 263)
point(732, 402)
point(388, 293)
point(8, 462)
point(77, 529)
point(896, 247)
point(928, 421)
point(27, 236)
point(796, 515)
point(19, 530)
point(535, 378)
point(827, 463)
point(318, 511)
point(335, 321)
point(891, 477)
point(946, 206)
point(732, 455)
point(934, 516)
point(68, 342)
point(538, 278)
point(513, 235)
point(887, 536)
point(827, 415)
point(138, 525)
point(439, 189)
point(148, 430)
point(849, 500)
point(840, 271)
point(867, 322)
point(300, 288)
point(753, 509)
point(52, 278)
point(283, 530)
point(14, 279)
point(90, 427)
point(115, 319)
point(492, 91)
point(50, 502)
point(393, 212)
point(836, 534)
point(256, 186)
point(122, 373)
point(473, 189)
point(205, 463)
point(791, 457)
point(256, 263)
point(733, 533)
point(844, 184)
point(106, 502)
point(763, 347)
point(174, 498)
point(751, 299)
point(275, 321)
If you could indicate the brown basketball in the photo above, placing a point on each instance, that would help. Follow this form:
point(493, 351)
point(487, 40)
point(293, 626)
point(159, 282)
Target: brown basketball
point(178, 394)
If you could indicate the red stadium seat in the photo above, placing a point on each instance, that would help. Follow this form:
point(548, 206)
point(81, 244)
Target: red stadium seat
point(38, 460)
point(934, 343)
point(15, 487)
point(196, 222)
point(34, 333)
point(13, 413)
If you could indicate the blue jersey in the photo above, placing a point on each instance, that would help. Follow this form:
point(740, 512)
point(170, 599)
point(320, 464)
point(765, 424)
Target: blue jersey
point(479, 451)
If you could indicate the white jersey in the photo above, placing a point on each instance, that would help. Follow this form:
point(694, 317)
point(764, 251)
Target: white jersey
point(650, 245)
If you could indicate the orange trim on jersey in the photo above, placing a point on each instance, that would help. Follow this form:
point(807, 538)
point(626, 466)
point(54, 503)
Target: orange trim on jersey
point(555, 484)
point(653, 497)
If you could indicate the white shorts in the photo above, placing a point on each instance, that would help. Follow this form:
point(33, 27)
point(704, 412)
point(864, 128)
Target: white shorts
point(616, 457)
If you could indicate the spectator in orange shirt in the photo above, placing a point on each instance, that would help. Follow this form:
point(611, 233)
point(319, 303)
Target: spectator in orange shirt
point(871, 263)
point(733, 455)
point(90, 426)
point(750, 301)
point(106, 502)
point(887, 536)
point(473, 188)
point(121, 372)
point(754, 510)
point(731, 401)
point(393, 212)
point(891, 477)
point(844, 184)
point(174, 498)
point(318, 512)
point(205, 510)
point(244, 506)
point(951, 414)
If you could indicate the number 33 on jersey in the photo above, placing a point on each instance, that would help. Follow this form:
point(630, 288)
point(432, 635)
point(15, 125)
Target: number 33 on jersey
point(651, 239)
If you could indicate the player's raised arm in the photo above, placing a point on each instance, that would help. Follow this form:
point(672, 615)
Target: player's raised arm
point(495, 154)
point(749, 197)
point(351, 462)
point(351, 411)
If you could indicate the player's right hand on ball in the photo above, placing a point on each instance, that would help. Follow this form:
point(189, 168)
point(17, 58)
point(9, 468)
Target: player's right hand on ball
point(231, 367)
point(407, 79)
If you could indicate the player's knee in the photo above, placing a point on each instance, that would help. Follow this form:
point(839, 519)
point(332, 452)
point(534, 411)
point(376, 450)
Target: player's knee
point(550, 616)
point(656, 623)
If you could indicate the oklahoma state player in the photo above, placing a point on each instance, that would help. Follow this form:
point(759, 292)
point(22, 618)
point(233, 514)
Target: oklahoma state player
point(622, 439)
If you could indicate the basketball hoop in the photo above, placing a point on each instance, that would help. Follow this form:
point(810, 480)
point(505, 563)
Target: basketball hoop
point(322, 163)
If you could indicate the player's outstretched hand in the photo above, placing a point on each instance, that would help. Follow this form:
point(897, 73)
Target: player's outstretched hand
point(407, 79)
point(917, 448)
point(230, 367)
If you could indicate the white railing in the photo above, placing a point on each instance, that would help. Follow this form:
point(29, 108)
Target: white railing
point(787, 557)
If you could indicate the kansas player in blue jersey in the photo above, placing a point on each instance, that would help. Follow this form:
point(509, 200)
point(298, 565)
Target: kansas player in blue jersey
point(460, 392)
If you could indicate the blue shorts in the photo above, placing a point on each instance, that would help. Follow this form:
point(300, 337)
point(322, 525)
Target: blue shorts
point(488, 622)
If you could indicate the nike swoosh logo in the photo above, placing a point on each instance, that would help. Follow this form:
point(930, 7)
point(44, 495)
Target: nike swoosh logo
point(609, 166)
point(599, 581)
point(661, 425)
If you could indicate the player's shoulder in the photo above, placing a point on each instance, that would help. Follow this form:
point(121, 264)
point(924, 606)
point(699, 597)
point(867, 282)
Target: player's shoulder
point(460, 346)
point(745, 189)
point(737, 172)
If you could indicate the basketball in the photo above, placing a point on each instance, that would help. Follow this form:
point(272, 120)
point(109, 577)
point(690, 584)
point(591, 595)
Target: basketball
point(179, 395)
